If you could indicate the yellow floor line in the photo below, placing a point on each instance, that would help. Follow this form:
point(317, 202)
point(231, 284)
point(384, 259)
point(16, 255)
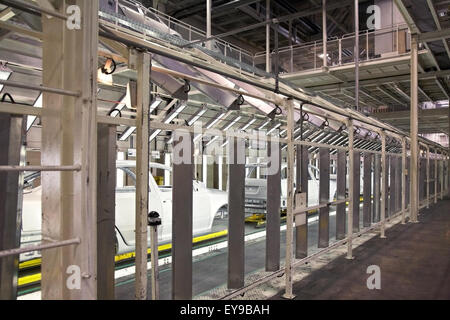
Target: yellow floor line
point(25, 280)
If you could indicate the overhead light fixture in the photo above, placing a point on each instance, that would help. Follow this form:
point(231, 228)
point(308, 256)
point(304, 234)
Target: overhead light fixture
point(172, 116)
point(273, 129)
point(220, 116)
point(155, 103)
point(180, 108)
point(232, 123)
point(212, 140)
point(6, 14)
point(127, 133)
point(104, 78)
point(4, 74)
point(264, 125)
point(197, 116)
point(248, 124)
point(31, 119)
point(154, 134)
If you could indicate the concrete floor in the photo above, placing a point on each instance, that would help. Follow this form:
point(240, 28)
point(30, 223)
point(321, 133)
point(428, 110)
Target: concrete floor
point(414, 262)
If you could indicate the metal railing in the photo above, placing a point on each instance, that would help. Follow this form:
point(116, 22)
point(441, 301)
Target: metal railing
point(373, 45)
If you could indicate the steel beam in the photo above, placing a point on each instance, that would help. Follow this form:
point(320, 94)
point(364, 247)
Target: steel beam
point(392, 176)
point(383, 183)
point(367, 190)
point(414, 190)
point(142, 171)
point(273, 214)
point(376, 188)
point(351, 187)
point(324, 197)
point(356, 190)
point(69, 136)
point(106, 206)
point(341, 193)
point(12, 140)
point(236, 213)
point(290, 199)
point(403, 182)
point(301, 231)
point(182, 216)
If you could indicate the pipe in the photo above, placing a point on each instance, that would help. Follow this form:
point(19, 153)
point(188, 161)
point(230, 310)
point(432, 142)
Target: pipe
point(40, 168)
point(12, 252)
point(40, 88)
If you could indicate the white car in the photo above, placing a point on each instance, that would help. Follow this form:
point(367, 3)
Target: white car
point(207, 203)
point(256, 189)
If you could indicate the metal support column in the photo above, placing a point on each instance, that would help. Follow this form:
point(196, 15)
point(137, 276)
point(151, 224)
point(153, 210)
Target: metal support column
point(356, 54)
point(367, 190)
point(290, 199)
point(142, 171)
point(106, 206)
point(341, 193)
point(301, 231)
point(236, 214)
point(428, 177)
point(392, 174)
point(383, 182)
point(441, 177)
point(356, 190)
point(324, 197)
point(208, 23)
point(376, 188)
point(273, 214)
point(12, 139)
point(324, 33)
point(414, 167)
point(351, 184)
point(182, 215)
point(69, 136)
point(398, 184)
point(268, 66)
point(404, 172)
point(435, 176)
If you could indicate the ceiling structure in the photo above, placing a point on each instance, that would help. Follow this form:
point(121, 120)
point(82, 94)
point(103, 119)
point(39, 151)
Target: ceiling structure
point(384, 82)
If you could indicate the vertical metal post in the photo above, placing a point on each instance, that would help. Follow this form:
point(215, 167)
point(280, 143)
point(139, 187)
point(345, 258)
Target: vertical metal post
point(367, 189)
point(383, 183)
point(435, 175)
point(324, 197)
point(403, 208)
point(208, 23)
point(340, 51)
point(351, 183)
point(268, 66)
point(428, 176)
point(324, 33)
point(106, 209)
point(154, 256)
point(182, 216)
point(414, 167)
point(290, 199)
point(376, 188)
point(341, 193)
point(236, 212)
point(142, 171)
point(12, 140)
point(357, 54)
point(273, 214)
point(356, 190)
point(441, 176)
point(301, 231)
point(398, 185)
point(392, 174)
point(69, 136)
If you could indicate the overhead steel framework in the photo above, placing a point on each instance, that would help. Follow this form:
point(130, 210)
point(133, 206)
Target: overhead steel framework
point(79, 139)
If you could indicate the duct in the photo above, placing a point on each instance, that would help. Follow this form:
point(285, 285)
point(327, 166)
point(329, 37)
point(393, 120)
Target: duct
point(226, 99)
point(171, 85)
point(260, 105)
